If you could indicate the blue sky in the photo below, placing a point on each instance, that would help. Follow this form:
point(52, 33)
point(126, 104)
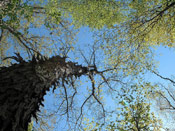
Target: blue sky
point(164, 57)
point(166, 61)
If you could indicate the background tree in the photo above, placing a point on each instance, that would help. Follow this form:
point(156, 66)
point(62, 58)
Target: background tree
point(135, 111)
point(151, 22)
point(166, 99)
point(32, 27)
point(169, 92)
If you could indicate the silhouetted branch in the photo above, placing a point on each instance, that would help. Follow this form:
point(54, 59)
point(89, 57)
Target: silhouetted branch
point(164, 77)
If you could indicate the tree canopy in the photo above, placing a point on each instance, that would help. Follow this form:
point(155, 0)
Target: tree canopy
point(125, 36)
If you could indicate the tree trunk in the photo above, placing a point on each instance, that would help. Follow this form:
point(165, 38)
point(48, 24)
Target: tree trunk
point(23, 86)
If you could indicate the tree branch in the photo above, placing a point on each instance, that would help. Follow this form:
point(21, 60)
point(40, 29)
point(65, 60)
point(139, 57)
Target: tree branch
point(164, 77)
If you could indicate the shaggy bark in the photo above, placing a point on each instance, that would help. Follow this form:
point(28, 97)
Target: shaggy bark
point(23, 86)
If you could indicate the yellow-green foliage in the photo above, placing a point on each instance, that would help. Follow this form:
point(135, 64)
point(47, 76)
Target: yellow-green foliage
point(127, 58)
point(90, 125)
point(93, 13)
point(134, 111)
point(152, 22)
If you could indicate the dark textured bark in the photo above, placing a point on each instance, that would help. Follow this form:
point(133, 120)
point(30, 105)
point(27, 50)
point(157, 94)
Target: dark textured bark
point(23, 85)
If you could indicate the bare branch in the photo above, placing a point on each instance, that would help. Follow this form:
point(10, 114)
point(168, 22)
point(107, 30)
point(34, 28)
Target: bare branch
point(167, 100)
point(67, 101)
point(84, 57)
point(93, 93)
point(164, 77)
point(81, 110)
point(170, 94)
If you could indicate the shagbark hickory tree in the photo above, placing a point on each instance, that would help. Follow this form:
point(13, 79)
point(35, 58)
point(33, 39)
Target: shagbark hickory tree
point(23, 86)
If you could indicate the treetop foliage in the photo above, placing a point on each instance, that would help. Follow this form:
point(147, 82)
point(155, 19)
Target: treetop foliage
point(93, 13)
point(152, 22)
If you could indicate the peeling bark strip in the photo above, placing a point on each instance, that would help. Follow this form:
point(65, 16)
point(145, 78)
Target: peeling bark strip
point(23, 86)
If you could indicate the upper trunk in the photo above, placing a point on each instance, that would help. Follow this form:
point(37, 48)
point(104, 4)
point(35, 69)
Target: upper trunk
point(23, 85)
